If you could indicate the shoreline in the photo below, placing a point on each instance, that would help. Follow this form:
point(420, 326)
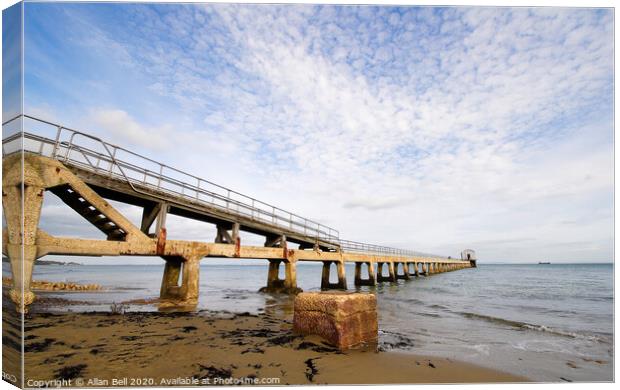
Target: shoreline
point(213, 346)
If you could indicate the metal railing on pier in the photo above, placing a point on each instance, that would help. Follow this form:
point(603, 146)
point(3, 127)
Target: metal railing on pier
point(354, 246)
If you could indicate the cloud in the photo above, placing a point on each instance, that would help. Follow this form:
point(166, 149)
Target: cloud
point(376, 204)
point(441, 126)
point(119, 126)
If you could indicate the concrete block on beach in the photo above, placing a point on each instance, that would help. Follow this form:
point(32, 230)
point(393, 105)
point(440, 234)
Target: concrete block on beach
point(343, 319)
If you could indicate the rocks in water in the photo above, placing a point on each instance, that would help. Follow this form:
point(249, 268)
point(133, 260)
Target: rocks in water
point(281, 290)
point(56, 286)
point(345, 320)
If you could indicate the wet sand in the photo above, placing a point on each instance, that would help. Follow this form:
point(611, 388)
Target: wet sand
point(200, 348)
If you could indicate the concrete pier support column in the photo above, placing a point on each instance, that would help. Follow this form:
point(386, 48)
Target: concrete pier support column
point(273, 279)
point(170, 280)
point(380, 277)
point(392, 271)
point(179, 286)
point(392, 275)
point(191, 280)
point(342, 278)
point(22, 233)
point(290, 271)
point(341, 284)
point(288, 285)
point(359, 280)
point(423, 268)
point(325, 284)
point(415, 269)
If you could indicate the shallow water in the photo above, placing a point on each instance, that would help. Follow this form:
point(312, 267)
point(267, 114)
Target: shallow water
point(544, 322)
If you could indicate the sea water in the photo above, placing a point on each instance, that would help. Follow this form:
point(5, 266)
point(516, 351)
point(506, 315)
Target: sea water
point(545, 322)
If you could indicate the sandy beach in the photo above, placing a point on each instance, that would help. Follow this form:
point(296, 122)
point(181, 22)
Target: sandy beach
point(207, 348)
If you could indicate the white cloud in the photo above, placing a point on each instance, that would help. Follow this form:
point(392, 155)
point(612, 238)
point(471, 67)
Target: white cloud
point(121, 128)
point(421, 129)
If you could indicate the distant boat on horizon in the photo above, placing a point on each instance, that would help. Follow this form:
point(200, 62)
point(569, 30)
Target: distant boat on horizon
point(544, 262)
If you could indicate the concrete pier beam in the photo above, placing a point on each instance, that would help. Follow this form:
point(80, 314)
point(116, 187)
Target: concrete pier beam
point(341, 284)
point(370, 280)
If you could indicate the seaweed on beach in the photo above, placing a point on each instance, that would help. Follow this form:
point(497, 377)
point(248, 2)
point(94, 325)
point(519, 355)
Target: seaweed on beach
point(247, 314)
point(70, 372)
point(238, 336)
point(283, 339)
point(214, 372)
point(311, 371)
point(10, 342)
point(315, 347)
point(130, 338)
point(394, 341)
point(59, 358)
point(39, 346)
point(253, 350)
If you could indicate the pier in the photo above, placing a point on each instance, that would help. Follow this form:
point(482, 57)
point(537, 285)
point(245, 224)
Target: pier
point(83, 171)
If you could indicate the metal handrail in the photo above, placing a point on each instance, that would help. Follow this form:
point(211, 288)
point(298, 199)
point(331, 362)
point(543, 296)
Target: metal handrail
point(247, 206)
point(62, 150)
point(354, 246)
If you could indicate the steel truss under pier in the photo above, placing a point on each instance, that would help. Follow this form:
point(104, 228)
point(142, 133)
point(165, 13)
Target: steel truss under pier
point(84, 171)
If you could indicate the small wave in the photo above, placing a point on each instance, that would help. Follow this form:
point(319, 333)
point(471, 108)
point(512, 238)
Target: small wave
point(124, 288)
point(433, 315)
point(539, 328)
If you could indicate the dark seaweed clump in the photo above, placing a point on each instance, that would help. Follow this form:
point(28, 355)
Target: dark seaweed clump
point(70, 372)
point(214, 372)
point(39, 346)
point(311, 371)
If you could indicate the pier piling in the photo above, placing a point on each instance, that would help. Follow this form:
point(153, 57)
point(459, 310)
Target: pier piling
point(341, 284)
point(370, 280)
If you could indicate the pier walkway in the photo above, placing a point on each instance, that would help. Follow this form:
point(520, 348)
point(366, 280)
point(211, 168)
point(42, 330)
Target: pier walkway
point(84, 171)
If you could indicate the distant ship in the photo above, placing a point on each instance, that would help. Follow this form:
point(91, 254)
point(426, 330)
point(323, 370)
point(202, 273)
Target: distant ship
point(544, 262)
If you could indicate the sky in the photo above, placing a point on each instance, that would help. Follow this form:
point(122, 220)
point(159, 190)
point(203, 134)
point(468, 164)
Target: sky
point(424, 128)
